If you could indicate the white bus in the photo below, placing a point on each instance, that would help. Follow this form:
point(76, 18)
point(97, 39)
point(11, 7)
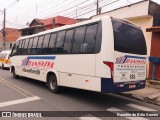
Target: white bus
point(4, 59)
point(104, 55)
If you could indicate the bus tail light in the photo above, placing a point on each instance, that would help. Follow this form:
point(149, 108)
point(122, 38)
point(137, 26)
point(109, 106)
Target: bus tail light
point(111, 66)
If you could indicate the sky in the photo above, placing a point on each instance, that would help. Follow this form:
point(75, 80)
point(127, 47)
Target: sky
point(21, 12)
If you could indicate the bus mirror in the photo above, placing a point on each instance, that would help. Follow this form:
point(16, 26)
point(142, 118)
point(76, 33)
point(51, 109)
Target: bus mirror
point(10, 55)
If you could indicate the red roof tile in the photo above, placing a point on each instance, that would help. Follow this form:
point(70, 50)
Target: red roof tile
point(58, 20)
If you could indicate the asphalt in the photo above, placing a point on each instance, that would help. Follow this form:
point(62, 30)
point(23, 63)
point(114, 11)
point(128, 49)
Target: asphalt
point(69, 100)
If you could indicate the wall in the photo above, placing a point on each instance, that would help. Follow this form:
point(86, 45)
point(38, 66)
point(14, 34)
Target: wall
point(11, 36)
point(135, 10)
point(155, 52)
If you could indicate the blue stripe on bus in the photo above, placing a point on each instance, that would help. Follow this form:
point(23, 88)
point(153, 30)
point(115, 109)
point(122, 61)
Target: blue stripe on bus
point(108, 86)
point(42, 57)
point(127, 56)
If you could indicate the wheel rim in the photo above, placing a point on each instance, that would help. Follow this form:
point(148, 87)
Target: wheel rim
point(52, 83)
point(14, 73)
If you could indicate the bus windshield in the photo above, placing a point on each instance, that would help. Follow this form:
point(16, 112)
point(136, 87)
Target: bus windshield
point(128, 38)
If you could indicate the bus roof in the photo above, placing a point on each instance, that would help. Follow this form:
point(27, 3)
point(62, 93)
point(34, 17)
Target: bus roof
point(64, 27)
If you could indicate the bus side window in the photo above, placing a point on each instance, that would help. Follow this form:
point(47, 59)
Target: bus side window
point(19, 47)
point(25, 47)
point(68, 41)
point(60, 42)
point(34, 46)
point(22, 46)
point(45, 44)
point(30, 46)
point(52, 43)
point(39, 45)
point(78, 39)
point(98, 38)
point(90, 39)
point(15, 49)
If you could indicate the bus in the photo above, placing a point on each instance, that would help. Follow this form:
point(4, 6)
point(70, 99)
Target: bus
point(4, 59)
point(105, 54)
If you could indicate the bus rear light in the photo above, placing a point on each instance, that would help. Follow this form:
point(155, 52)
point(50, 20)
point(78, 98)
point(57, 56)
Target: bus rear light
point(142, 83)
point(111, 66)
point(119, 85)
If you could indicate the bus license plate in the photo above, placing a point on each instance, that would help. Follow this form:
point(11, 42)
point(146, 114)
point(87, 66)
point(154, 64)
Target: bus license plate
point(132, 86)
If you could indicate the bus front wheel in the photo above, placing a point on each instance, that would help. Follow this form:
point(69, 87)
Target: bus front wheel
point(14, 74)
point(52, 84)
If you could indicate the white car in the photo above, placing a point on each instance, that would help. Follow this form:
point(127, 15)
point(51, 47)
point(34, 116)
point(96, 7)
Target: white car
point(5, 59)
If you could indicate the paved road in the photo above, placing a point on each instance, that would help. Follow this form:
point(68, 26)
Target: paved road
point(30, 95)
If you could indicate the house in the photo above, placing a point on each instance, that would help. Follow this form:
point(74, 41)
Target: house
point(154, 65)
point(38, 25)
point(145, 14)
point(11, 36)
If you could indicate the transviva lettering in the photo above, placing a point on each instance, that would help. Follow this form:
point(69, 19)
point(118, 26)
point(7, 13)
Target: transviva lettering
point(135, 61)
point(41, 64)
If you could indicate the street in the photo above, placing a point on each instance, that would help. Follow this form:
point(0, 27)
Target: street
point(25, 94)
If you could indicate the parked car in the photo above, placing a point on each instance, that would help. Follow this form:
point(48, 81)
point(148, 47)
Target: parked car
point(5, 59)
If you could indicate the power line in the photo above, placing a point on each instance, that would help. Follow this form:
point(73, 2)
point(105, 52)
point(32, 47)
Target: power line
point(86, 11)
point(15, 23)
point(66, 9)
point(81, 8)
point(90, 11)
point(60, 12)
point(45, 10)
point(12, 4)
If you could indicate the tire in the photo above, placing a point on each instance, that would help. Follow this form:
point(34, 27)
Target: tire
point(2, 67)
point(14, 74)
point(52, 84)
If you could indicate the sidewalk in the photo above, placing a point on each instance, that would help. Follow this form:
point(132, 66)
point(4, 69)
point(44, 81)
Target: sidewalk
point(151, 93)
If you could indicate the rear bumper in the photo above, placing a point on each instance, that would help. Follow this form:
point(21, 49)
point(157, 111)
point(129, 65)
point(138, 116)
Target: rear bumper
point(107, 85)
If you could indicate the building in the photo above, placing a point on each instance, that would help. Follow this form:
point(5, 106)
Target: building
point(11, 36)
point(154, 66)
point(38, 25)
point(144, 13)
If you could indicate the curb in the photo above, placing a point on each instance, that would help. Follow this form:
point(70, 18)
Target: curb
point(153, 84)
point(154, 101)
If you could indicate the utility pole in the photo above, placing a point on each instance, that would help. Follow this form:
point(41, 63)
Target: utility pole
point(4, 32)
point(97, 12)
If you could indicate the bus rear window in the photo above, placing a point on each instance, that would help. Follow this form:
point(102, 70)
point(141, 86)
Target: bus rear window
point(128, 38)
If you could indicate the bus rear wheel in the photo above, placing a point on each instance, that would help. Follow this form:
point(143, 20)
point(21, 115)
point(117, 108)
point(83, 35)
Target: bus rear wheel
point(52, 84)
point(14, 74)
